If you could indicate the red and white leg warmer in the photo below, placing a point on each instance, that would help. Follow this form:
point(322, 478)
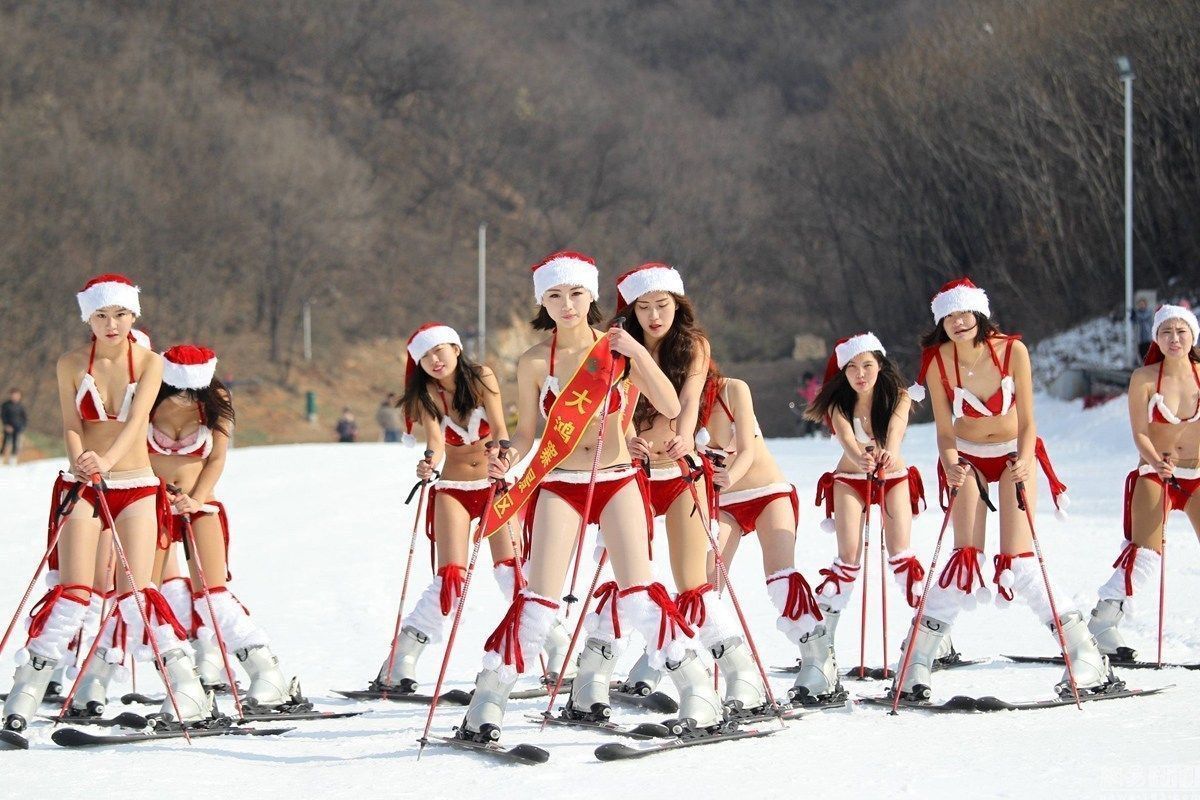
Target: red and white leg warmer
point(125, 632)
point(522, 633)
point(711, 618)
point(506, 577)
point(1019, 577)
point(178, 591)
point(1132, 569)
point(960, 587)
point(52, 624)
point(838, 584)
point(797, 605)
point(909, 575)
point(438, 601)
point(238, 629)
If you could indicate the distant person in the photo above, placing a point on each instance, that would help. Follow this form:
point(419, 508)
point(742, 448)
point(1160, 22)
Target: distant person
point(347, 426)
point(15, 419)
point(1143, 318)
point(389, 418)
point(810, 387)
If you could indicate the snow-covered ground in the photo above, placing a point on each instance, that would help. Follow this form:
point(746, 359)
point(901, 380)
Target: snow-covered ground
point(1099, 342)
point(319, 537)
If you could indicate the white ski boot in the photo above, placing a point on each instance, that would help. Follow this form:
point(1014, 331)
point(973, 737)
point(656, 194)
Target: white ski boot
point(29, 687)
point(59, 679)
point(744, 692)
point(1106, 617)
point(700, 708)
point(209, 663)
point(91, 695)
point(918, 680)
point(817, 682)
point(485, 715)
point(589, 690)
point(556, 654)
point(1090, 667)
point(268, 687)
point(195, 703)
point(643, 679)
point(403, 677)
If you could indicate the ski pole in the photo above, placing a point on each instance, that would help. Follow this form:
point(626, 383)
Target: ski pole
point(619, 322)
point(1037, 547)
point(190, 537)
point(866, 565)
point(881, 487)
point(412, 547)
point(1173, 483)
point(462, 602)
point(65, 506)
point(107, 519)
point(690, 472)
point(587, 602)
point(916, 623)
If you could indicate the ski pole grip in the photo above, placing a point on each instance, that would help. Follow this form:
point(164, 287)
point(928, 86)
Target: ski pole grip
point(97, 480)
point(1172, 480)
point(619, 322)
point(1020, 484)
point(428, 454)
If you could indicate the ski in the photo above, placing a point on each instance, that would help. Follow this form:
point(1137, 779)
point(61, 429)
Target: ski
point(964, 704)
point(617, 751)
point(297, 716)
point(454, 697)
point(132, 698)
point(73, 737)
point(642, 731)
point(877, 673)
point(655, 701)
point(789, 712)
point(540, 691)
point(11, 740)
point(50, 698)
point(518, 754)
point(1114, 662)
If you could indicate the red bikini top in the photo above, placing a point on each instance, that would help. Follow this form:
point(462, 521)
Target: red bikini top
point(1158, 411)
point(551, 387)
point(965, 403)
point(710, 398)
point(454, 434)
point(87, 399)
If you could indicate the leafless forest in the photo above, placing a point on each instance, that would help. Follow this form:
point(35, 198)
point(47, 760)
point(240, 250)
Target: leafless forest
point(812, 165)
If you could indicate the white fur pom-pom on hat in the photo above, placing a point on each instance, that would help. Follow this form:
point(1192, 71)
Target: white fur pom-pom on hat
point(828, 525)
point(1061, 503)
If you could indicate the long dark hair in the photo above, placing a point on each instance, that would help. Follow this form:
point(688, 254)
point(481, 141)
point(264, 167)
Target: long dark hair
point(675, 354)
point(544, 322)
point(985, 328)
point(469, 391)
point(837, 394)
point(214, 400)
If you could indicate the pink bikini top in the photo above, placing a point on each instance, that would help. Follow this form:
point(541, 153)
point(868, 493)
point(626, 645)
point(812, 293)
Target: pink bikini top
point(454, 434)
point(1158, 411)
point(87, 399)
point(551, 387)
point(197, 444)
point(964, 403)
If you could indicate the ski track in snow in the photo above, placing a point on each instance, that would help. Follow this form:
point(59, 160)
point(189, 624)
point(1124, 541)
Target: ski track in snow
point(320, 533)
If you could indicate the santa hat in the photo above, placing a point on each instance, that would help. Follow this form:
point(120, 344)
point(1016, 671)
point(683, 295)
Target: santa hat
point(846, 349)
point(424, 339)
point(917, 390)
point(1166, 312)
point(106, 290)
point(652, 277)
point(959, 295)
point(187, 366)
point(565, 268)
point(140, 337)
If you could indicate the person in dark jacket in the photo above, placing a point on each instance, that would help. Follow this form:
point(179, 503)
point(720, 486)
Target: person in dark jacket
point(12, 411)
point(347, 427)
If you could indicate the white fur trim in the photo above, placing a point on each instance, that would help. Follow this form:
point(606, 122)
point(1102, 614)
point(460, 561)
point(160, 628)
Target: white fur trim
point(1145, 568)
point(742, 495)
point(565, 271)
point(985, 449)
point(430, 338)
point(640, 613)
point(506, 578)
point(651, 279)
point(777, 590)
point(960, 298)
point(1168, 312)
point(189, 376)
point(535, 624)
point(426, 615)
point(585, 476)
point(1183, 473)
point(856, 345)
point(237, 627)
point(468, 485)
point(719, 622)
point(137, 482)
point(109, 293)
point(916, 392)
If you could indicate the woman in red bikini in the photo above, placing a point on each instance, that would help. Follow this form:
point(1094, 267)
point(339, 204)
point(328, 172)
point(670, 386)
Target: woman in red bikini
point(566, 287)
point(458, 405)
point(110, 374)
point(980, 442)
point(863, 401)
point(1164, 416)
point(188, 440)
point(664, 322)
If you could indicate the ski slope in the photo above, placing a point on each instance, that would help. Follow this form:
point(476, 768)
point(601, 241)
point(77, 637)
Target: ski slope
point(319, 537)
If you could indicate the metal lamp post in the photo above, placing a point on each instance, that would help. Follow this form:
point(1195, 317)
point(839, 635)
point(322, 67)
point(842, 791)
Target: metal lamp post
point(1125, 71)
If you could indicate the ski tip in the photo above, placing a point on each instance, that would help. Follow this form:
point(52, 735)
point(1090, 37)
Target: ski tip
point(961, 702)
point(614, 751)
point(128, 719)
point(652, 730)
point(71, 737)
point(11, 740)
point(456, 697)
point(662, 703)
point(531, 753)
point(990, 703)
